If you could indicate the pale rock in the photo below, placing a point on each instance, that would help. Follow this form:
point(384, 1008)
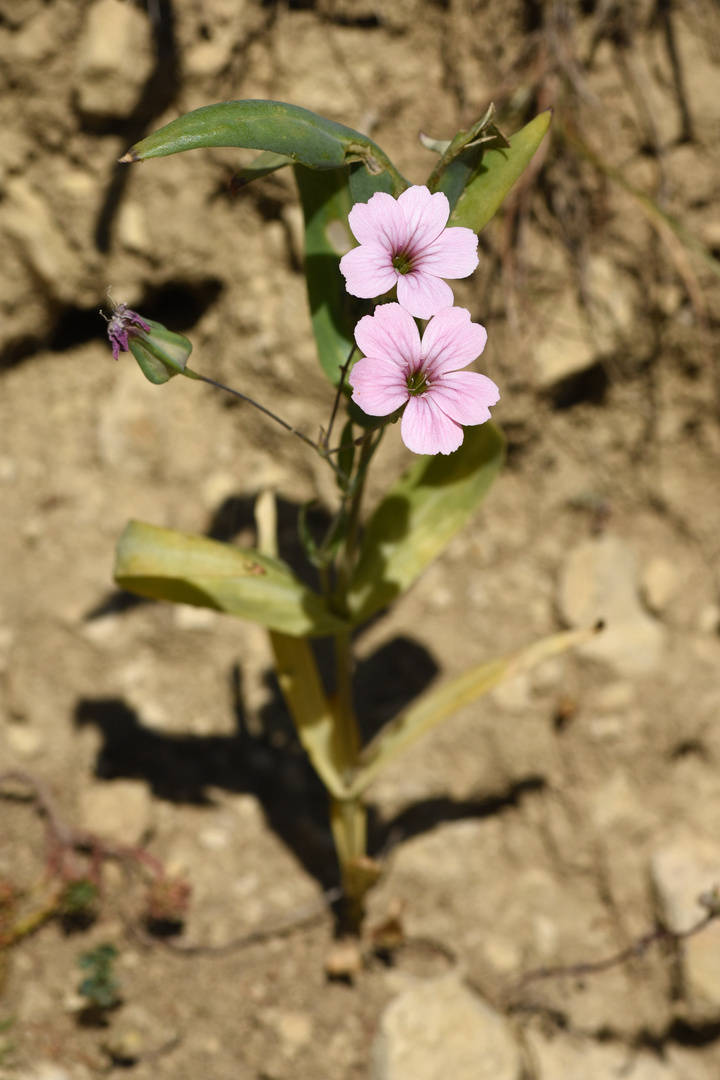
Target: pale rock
point(28, 219)
point(114, 59)
point(38, 41)
point(659, 584)
point(567, 1058)
point(610, 293)
point(209, 57)
point(23, 739)
point(294, 1029)
point(132, 227)
point(44, 1070)
point(190, 617)
point(599, 582)
point(214, 838)
point(138, 1033)
point(616, 802)
point(615, 695)
point(117, 810)
point(439, 1029)
point(681, 872)
point(566, 347)
point(709, 619)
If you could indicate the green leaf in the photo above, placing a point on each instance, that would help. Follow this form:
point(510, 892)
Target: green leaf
point(496, 173)
point(420, 515)
point(326, 203)
point(461, 157)
point(265, 163)
point(187, 569)
point(285, 129)
point(442, 703)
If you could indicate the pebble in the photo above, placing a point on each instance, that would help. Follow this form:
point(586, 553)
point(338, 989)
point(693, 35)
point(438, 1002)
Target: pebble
point(438, 1028)
point(118, 810)
point(681, 871)
point(709, 619)
point(23, 739)
point(27, 217)
point(565, 1058)
point(599, 582)
point(659, 584)
point(567, 348)
point(293, 1028)
point(114, 58)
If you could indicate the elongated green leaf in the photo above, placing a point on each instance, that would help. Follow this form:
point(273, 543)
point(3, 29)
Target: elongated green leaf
point(326, 202)
point(420, 514)
point(441, 704)
point(304, 696)
point(168, 565)
point(497, 172)
point(286, 129)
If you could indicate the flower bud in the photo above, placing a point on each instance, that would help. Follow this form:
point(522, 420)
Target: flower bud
point(160, 352)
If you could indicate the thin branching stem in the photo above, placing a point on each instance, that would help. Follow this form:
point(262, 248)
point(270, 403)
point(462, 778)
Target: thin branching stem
point(338, 395)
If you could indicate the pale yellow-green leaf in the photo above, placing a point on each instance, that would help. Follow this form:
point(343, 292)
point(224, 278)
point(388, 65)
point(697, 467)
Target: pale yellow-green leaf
point(183, 568)
point(438, 705)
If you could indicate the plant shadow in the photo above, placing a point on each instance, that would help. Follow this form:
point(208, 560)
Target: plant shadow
point(264, 757)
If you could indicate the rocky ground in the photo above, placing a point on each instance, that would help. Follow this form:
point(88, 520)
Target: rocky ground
point(551, 825)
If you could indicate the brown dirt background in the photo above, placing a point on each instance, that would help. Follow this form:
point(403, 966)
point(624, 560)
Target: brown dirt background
point(520, 833)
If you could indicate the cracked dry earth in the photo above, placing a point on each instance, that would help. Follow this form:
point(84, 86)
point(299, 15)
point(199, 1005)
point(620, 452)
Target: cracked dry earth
point(552, 824)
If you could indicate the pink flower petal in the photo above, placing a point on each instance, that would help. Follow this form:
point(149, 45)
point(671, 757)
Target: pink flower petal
point(425, 429)
point(368, 271)
point(423, 295)
point(452, 341)
point(379, 221)
point(426, 215)
point(379, 386)
point(465, 396)
point(390, 334)
point(453, 254)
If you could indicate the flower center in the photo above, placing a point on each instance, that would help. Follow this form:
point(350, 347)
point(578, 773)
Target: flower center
point(417, 382)
point(402, 262)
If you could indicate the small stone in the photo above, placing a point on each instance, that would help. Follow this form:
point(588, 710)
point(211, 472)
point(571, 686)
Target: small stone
point(344, 960)
point(132, 228)
point(616, 802)
point(599, 582)
point(566, 349)
point(44, 1070)
point(659, 584)
point(709, 619)
point(118, 810)
point(440, 1029)
point(23, 739)
point(189, 617)
point(293, 1028)
point(565, 1058)
point(681, 872)
point(114, 58)
point(214, 838)
point(28, 218)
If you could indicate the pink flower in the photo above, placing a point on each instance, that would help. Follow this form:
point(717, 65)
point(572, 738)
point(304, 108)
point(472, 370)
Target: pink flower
point(399, 368)
point(405, 241)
